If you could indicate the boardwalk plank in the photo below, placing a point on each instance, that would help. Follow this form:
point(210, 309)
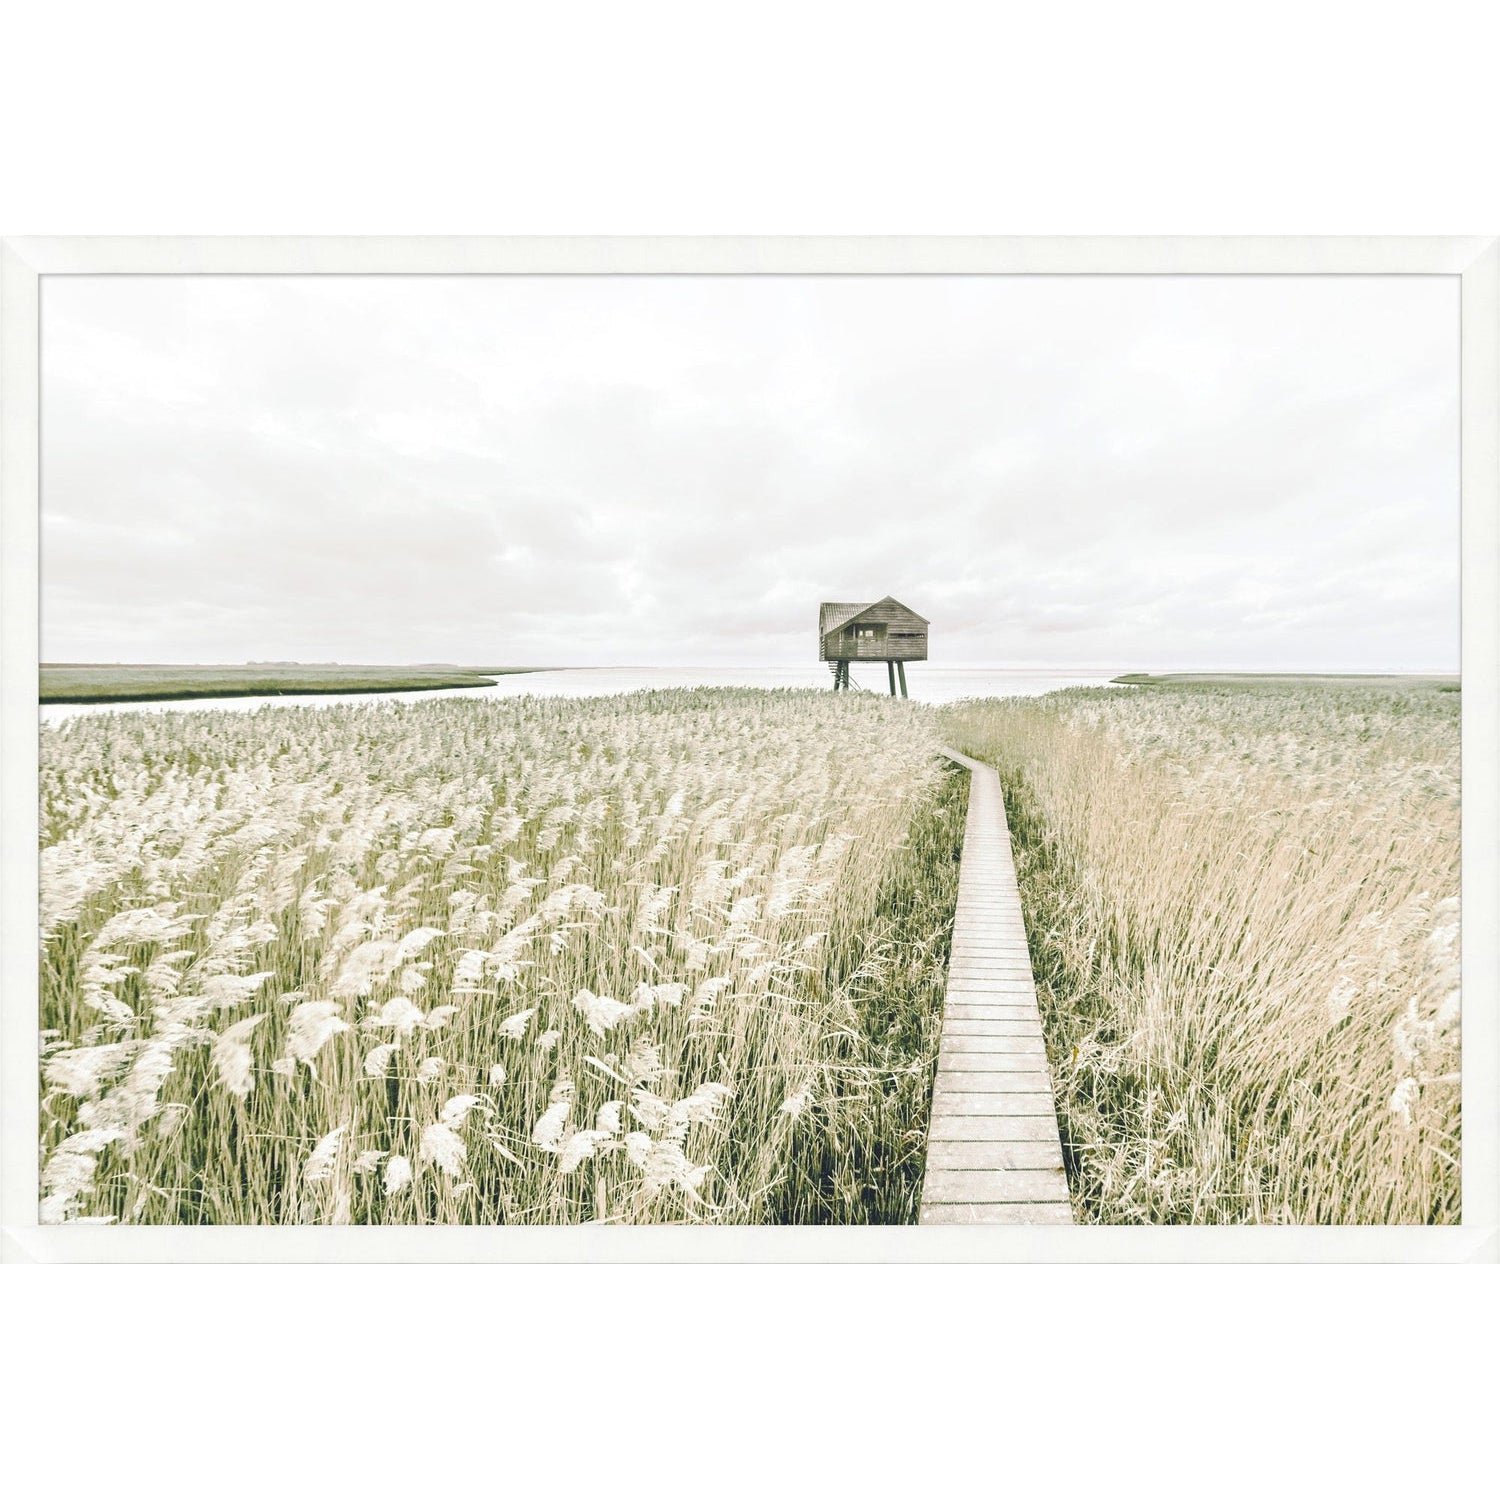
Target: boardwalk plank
point(1020, 1026)
point(994, 1013)
point(1005, 1155)
point(960, 1043)
point(953, 1127)
point(1032, 1061)
point(1032, 1078)
point(959, 1103)
point(1008, 992)
point(1016, 1185)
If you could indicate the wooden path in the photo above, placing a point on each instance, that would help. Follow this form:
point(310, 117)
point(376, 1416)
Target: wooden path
point(993, 1151)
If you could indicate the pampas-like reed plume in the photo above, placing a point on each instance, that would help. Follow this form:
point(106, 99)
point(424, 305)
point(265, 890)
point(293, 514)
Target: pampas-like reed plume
point(231, 1056)
point(444, 1148)
point(83, 1071)
point(513, 1028)
point(548, 1131)
point(313, 1025)
point(456, 1110)
point(378, 1059)
point(319, 1166)
point(600, 1012)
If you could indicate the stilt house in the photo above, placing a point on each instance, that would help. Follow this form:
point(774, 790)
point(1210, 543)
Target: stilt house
point(884, 631)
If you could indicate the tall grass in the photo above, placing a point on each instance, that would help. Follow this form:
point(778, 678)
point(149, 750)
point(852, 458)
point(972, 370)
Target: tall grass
point(1243, 916)
point(521, 961)
point(859, 1152)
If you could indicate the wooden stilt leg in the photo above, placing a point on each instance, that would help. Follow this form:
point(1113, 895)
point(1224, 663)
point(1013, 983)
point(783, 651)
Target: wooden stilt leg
point(901, 668)
point(890, 671)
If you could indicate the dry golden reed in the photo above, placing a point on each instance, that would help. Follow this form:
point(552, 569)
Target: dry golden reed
point(1242, 905)
point(519, 961)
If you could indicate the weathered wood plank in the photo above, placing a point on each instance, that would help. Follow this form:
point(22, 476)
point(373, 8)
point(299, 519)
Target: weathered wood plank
point(997, 992)
point(1021, 1026)
point(992, 966)
point(1032, 1060)
point(1018, 978)
point(1032, 1078)
point(1001, 1016)
point(962, 1043)
point(1019, 1185)
point(953, 1127)
point(1006, 992)
point(979, 1005)
point(1006, 1156)
point(970, 1103)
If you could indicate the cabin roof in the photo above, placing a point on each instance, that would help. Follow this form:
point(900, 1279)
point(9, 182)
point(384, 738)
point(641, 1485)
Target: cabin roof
point(833, 617)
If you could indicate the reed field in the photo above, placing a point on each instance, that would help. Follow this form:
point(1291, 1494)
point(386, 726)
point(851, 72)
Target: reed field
point(1242, 908)
point(679, 956)
point(662, 957)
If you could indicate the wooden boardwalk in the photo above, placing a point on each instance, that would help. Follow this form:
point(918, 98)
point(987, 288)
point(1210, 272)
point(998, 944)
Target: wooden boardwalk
point(993, 1151)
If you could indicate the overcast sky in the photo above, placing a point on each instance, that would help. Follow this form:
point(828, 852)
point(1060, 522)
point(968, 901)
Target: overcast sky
point(1127, 472)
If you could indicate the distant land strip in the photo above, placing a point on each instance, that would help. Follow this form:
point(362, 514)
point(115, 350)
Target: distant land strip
point(143, 683)
point(1443, 683)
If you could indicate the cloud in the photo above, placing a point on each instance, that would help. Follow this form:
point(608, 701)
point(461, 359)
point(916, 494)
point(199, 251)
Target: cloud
point(1070, 470)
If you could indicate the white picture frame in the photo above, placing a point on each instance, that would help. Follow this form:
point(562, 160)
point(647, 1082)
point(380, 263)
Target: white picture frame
point(26, 262)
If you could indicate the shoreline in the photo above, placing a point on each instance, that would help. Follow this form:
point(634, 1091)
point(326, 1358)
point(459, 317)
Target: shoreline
point(172, 690)
point(1443, 681)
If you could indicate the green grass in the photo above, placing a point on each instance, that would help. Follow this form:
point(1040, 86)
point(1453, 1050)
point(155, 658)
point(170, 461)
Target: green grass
point(1396, 680)
point(142, 683)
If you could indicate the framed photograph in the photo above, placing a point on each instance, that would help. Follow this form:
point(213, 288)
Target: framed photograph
point(750, 749)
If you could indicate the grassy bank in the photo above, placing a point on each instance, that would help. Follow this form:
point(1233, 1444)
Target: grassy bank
point(1242, 908)
point(653, 958)
point(1389, 681)
point(132, 683)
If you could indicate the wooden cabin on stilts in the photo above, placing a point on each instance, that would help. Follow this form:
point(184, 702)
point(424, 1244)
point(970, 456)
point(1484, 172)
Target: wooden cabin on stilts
point(884, 631)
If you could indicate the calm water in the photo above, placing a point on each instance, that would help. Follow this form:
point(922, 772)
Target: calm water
point(928, 684)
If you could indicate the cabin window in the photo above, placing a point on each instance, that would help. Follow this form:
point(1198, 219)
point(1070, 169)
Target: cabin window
point(866, 632)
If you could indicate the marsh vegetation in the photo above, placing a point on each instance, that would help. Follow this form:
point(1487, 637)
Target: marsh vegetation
point(679, 956)
point(661, 957)
point(1242, 907)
